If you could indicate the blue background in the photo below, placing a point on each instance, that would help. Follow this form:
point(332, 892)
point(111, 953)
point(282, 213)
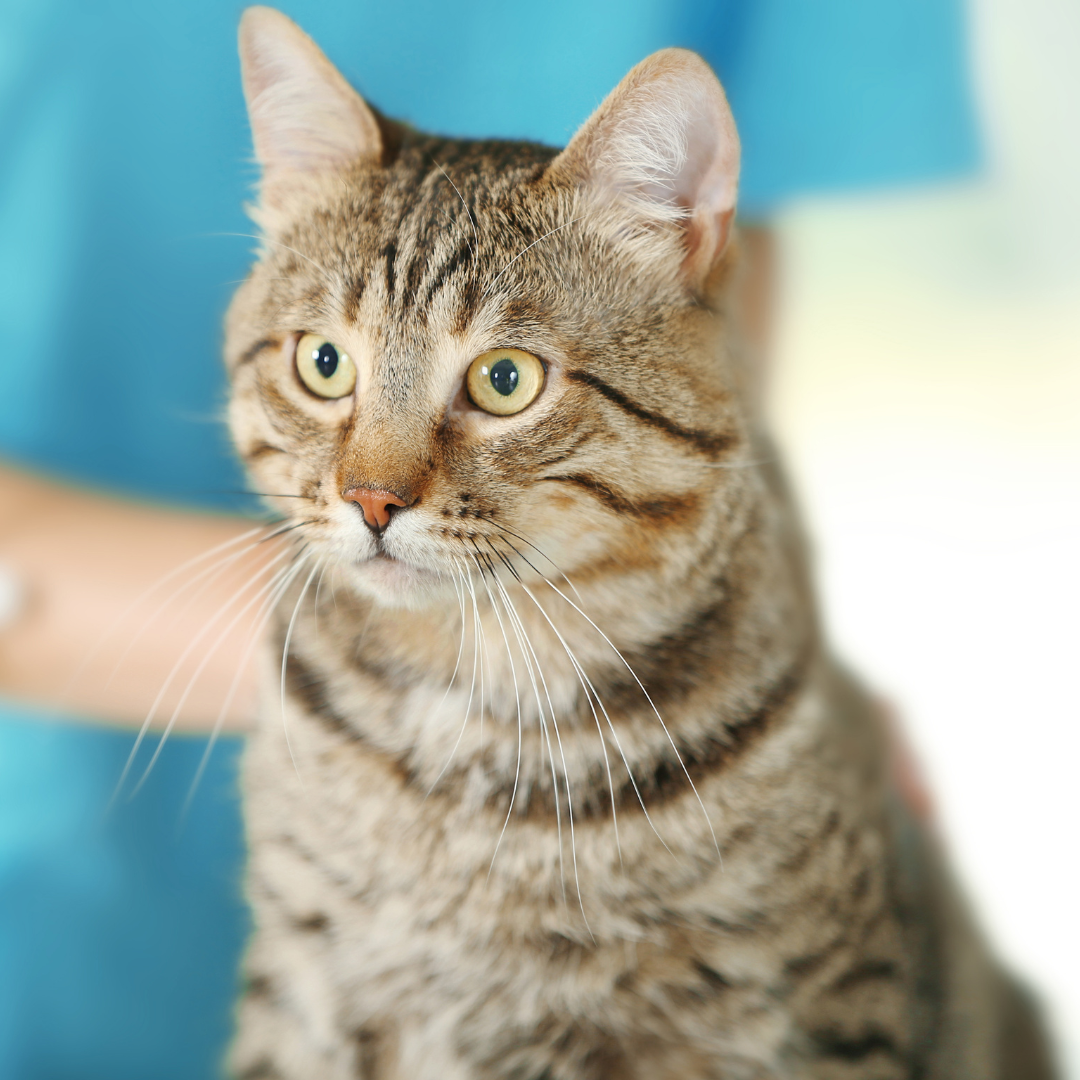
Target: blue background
point(124, 163)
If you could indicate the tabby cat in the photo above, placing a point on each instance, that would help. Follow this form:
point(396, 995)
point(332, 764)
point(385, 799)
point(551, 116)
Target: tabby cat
point(568, 786)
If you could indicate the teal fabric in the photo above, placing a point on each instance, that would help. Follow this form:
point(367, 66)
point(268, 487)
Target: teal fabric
point(119, 927)
point(123, 166)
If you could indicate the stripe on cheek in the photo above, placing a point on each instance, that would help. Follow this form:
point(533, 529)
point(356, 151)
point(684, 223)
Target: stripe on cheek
point(653, 505)
point(703, 441)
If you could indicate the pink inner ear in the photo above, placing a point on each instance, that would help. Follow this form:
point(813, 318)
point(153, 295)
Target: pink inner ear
point(664, 144)
point(706, 186)
point(304, 115)
point(710, 174)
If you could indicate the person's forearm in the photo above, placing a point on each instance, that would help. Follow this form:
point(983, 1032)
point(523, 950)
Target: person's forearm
point(83, 642)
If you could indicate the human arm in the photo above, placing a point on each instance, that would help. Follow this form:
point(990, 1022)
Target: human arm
point(84, 561)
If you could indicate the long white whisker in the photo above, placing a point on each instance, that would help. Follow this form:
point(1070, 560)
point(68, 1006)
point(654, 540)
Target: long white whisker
point(588, 697)
point(552, 232)
point(517, 701)
point(508, 600)
point(263, 591)
point(208, 576)
point(280, 244)
point(318, 589)
point(285, 664)
point(468, 211)
point(652, 705)
point(611, 726)
point(263, 617)
point(518, 634)
point(483, 659)
point(542, 554)
point(148, 592)
point(176, 667)
point(461, 649)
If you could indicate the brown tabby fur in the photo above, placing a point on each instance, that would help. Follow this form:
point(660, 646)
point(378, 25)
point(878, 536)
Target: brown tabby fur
point(733, 892)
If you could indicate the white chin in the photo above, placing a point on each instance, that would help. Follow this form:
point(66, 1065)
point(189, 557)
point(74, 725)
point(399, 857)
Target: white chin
point(398, 584)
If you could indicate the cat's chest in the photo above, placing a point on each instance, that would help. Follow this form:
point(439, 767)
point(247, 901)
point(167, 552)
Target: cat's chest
point(331, 817)
point(399, 903)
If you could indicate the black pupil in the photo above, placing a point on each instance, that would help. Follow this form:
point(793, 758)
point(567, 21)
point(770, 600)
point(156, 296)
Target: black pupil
point(326, 360)
point(504, 376)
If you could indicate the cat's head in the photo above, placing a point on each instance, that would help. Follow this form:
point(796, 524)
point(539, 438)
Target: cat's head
point(453, 353)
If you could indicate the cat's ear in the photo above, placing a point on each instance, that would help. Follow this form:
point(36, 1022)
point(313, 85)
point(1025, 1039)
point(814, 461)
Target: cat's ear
point(663, 146)
point(305, 118)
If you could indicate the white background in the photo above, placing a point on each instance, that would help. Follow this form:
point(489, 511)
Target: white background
point(927, 398)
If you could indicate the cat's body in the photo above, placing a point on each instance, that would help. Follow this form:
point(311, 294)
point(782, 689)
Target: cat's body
point(480, 849)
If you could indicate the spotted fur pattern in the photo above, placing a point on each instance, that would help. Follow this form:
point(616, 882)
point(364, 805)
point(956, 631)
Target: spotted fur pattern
point(559, 782)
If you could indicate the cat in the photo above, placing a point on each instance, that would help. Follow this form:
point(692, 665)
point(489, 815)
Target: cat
point(569, 786)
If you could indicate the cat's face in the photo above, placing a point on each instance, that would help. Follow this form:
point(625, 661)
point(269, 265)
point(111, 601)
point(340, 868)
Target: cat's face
point(453, 354)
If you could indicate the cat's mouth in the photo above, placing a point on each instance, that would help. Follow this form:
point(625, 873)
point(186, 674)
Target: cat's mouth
point(396, 581)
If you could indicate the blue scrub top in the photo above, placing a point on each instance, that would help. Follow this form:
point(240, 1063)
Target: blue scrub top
point(124, 162)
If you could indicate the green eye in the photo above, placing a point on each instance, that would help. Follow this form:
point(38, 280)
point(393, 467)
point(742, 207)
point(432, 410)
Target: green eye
point(504, 381)
point(323, 368)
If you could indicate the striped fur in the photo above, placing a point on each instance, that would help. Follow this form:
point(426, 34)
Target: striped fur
point(473, 856)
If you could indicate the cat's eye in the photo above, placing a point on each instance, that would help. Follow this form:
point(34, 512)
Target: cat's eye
point(323, 368)
point(504, 381)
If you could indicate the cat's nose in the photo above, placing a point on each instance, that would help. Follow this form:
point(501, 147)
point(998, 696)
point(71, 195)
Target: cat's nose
point(375, 504)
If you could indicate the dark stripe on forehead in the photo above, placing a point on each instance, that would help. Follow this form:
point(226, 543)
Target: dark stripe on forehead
point(460, 257)
point(700, 440)
point(414, 274)
point(390, 254)
point(470, 301)
point(353, 296)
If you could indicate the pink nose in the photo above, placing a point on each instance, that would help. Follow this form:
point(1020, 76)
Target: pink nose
point(376, 504)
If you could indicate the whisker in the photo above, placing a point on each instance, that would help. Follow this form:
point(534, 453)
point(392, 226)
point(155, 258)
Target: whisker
point(457, 664)
point(285, 663)
point(508, 600)
point(483, 659)
point(146, 594)
point(517, 701)
point(208, 576)
point(552, 232)
point(518, 632)
point(248, 491)
point(270, 240)
point(468, 210)
point(525, 540)
point(176, 667)
point(588, 697)
point(263, 618)
point(582, 675)
point(318, 588)
point(287, 529)
point(194, 678)
point(652, 705)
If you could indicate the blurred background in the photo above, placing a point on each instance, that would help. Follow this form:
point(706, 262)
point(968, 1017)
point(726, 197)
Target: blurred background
point(927, 398)
point(925, 389)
